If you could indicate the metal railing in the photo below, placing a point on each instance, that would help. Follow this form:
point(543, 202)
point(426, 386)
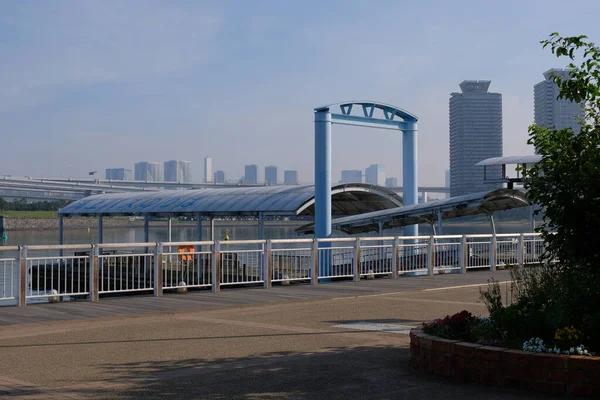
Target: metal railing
point(56, 277)
point(189, 267)
point(72, 272)
point(291, 260)
point(125, 267)
point(9, 271)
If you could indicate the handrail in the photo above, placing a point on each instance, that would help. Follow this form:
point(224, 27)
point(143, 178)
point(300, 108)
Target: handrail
point(9, 248)
point(125, 245)
point(60, 247)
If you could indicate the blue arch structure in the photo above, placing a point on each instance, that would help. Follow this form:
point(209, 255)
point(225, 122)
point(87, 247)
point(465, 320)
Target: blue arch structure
point(374, 115)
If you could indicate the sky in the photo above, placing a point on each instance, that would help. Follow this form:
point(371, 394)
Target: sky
point(88, 85)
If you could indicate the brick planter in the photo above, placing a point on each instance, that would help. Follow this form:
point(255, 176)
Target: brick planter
point(496, 366)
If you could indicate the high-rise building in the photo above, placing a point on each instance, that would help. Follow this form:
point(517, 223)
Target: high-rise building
point(549, 110)
point(178, 171)
point(447, 183)
point(271, 175)
point(391, 182)
point(290, 177)
point(375, 174)
point(119, 174)
point(475, 134)
point(351, 176)
point(148, 171)
point(251, 174)
point(208, 174)
point(219, 177)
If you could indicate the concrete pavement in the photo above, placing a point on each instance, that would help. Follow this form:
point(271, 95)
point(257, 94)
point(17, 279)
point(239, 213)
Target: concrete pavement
point(286, 349)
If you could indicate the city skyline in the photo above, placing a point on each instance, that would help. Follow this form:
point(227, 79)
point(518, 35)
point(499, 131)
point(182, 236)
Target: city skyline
point(61, 70)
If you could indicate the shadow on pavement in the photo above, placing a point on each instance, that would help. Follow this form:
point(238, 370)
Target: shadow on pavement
point(348, 373)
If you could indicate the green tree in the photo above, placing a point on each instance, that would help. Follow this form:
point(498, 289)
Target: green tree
point(566, 183)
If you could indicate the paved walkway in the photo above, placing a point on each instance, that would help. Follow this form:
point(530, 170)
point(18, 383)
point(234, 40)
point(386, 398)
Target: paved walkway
point(296, 342)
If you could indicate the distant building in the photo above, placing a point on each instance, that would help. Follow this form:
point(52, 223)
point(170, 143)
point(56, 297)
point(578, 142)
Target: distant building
point(549, 110)
point(251, 174)
point(219, 177)
point(119, 174)
point(351, 176)
point(375, 174)
point(148, 171)
point(391, 182)
point(271, 175)
point(475, 134)
point(447, 181)
point(178, 171)
point(208, 174)
point(290, 177)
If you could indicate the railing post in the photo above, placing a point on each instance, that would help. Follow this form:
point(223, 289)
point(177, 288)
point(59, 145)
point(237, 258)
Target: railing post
point(395, 258)
point(93, 280)
point(158, 270)
point(494, 250)
point(314, 279)
point(216, 267)
point(22, 277)
point(267, 265)
point(462, 251)
point(356, 261)
point(520, 251)
point(430, 255)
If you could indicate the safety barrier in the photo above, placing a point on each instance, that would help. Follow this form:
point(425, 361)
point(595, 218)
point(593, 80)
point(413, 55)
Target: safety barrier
point(72, 272)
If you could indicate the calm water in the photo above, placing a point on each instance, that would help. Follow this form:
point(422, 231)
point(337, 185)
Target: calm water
point(240, 232)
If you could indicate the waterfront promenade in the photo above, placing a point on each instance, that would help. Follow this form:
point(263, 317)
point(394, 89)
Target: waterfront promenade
point(316, 342)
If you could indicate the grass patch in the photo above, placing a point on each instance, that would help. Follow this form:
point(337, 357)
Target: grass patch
point(30, 214)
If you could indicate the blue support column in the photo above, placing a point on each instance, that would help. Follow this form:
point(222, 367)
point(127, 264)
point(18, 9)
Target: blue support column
point(100, 232)
point(322, 174)
point(60, 233)
point(198, 227)
point(261, 226)
point(410, 174)
point(439, 221)
point(146, 229)
point(323, 187)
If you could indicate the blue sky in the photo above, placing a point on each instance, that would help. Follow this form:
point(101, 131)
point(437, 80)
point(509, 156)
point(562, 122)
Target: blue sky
point(88, 85)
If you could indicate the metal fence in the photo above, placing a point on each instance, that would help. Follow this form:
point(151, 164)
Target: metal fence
point(292, 260)
point(58, 276)
point(125, 267)
point(72, 272)
point(186, 265)
point(9, 270)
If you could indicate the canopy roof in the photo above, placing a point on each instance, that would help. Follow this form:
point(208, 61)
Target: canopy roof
point(532, 159)
point(347, 199)
point(460, 206)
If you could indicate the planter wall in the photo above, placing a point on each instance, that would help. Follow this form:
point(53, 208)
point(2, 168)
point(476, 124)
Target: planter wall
point(495, 366)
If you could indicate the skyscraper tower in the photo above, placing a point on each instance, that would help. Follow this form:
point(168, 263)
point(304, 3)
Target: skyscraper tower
point(208, 174)
point(251, 174)
point(475, 134)
point(375, 174)
point(271, 175)
point(549, 110)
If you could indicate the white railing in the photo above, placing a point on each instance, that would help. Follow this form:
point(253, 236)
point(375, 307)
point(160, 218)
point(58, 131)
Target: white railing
point(126, 267)
point(414, 255)
point(289, 264)
point(187, 265)
point(9, 268)
point(447, 252)
point(242, 262)
point(376, 256)
point(71, 272)
point(533, 248)
point(337, 257)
